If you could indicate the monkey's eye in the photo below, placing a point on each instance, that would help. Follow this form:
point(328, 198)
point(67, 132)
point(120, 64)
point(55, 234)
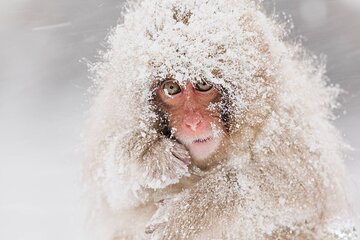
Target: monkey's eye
point(203, 86)
point(170, 87)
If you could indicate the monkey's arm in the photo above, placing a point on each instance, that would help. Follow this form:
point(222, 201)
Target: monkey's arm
point(210, 202)
point(227, 205)
point(163, 164)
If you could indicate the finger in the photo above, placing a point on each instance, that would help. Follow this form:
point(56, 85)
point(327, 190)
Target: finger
point(182, 157)
point(180, 152)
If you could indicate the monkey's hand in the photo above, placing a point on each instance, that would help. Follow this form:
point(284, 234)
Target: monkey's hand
point(165, 163)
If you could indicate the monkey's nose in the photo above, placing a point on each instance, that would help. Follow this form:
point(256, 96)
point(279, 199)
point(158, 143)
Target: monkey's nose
point(193, 121)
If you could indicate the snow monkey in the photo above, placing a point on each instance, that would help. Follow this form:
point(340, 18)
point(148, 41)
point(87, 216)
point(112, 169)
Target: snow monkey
point(207, 123)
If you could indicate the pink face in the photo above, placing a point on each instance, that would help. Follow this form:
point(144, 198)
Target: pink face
point(193, 123)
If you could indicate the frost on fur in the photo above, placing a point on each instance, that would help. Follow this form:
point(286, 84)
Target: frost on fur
point(284, 174)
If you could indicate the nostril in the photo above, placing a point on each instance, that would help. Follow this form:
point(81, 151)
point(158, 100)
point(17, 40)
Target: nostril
point(193, 121)
point(193, 125)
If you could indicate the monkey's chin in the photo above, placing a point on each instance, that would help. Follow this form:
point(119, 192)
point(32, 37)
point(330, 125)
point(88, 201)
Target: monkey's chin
point(202, 148)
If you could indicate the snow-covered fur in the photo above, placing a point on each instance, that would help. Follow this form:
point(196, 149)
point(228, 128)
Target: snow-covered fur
point(283, 176)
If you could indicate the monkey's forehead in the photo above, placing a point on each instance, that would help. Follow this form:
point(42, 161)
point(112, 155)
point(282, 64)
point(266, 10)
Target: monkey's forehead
point(188, 40)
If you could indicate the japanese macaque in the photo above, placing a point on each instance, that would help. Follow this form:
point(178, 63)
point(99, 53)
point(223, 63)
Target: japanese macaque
point(207, 124)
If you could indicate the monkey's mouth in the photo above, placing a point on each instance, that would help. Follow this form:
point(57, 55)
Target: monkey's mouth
point(201, 148)
point(202, 140)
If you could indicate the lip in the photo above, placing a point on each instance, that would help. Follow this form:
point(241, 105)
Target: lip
point(202, 140)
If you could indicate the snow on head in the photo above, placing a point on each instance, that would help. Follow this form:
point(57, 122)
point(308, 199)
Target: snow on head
point(234, 48)
point(278, 102)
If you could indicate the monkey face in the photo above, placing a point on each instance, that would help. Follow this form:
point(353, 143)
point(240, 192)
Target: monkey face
point(191, 120)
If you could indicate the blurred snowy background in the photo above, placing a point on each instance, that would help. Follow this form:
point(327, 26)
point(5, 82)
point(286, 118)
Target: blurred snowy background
point(43, 81)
